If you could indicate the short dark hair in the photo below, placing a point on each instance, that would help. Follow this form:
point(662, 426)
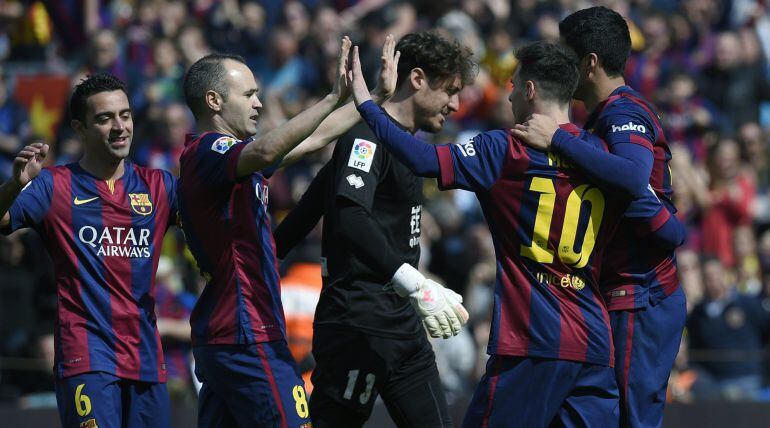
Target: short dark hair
point(440, 58)
point(600, 31)
point(552, 66)
point(207, 74)
point(91, 85)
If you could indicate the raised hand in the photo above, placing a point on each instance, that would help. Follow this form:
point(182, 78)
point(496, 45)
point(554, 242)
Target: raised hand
point(537, 132)
point(356, 80)
point(341, 88)
point(386, 84)
point(29, 163)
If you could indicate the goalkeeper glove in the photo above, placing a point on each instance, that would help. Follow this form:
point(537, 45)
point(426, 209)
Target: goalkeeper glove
point(440, 308)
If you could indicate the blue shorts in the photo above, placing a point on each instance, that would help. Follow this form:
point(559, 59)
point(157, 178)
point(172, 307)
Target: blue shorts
point(104, 400)
point(536, 392)
point(256, 385)
point(646, 343)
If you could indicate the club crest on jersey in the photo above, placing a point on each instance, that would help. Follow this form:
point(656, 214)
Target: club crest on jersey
point(91, 423)
point(223, 144)
point(362, 154)
point(140, 203)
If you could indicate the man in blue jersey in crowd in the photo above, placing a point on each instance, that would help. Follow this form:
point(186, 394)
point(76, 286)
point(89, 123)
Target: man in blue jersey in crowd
point(639, 278)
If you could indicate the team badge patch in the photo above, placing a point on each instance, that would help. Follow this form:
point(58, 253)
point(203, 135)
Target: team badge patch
point(362, 154)
point(223, 144)
point(91, 423)
point(140, 203)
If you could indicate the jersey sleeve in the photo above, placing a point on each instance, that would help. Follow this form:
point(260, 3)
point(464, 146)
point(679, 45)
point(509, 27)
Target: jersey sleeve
point(361, 165)
point(33, 203)
point(653, 218)
point(625, 168)
point(301, 220)
point(627, 122)
point(170, 183)
point(217, 159)
point(417, 155)
point(474, 165)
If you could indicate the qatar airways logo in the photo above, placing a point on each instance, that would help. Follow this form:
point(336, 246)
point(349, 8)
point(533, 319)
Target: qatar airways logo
point(630, 126)
point(117, 241)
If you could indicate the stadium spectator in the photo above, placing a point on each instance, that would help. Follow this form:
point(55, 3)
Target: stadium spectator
point(734, 324)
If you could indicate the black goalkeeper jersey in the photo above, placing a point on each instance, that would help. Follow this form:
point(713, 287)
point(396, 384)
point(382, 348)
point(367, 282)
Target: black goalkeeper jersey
point(354, 294)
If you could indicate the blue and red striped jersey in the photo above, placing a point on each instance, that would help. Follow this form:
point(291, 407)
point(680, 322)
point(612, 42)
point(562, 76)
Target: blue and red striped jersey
point(104, 238)
point(227, 227)
point(550, 226)
point(636, 269)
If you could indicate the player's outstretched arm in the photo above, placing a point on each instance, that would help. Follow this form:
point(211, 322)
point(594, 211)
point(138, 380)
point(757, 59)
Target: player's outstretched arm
point(417, 155)
point(625, 169)
point(303, 217)
point(26, 166)
point(345, 117)
point(269, 148)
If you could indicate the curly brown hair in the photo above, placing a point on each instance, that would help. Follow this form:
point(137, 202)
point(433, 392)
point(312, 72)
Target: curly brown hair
point(439, 58)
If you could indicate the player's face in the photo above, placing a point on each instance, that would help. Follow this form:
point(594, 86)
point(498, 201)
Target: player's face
point(583, 88)
point(241, 109)
point(433, 103)
point(520, 106)
point(109, 125)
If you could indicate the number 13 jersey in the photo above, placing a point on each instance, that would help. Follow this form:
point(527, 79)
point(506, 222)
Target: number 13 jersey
point(549, 226)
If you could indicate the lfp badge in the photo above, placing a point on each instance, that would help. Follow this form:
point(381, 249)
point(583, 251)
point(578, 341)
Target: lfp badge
point(223, 144)
point(140, 203)
point(362, 154)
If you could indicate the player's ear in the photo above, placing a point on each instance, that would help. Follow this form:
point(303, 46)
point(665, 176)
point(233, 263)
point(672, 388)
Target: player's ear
point(417, 78)
point(214, 100)
point(531, 90)
point(589, 63)
point(78, 126)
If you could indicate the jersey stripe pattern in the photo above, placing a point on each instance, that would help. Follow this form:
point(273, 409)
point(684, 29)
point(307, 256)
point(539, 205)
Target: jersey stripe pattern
point(227, 227)
point(637, 270)
point(104, 238)
point(549, 226)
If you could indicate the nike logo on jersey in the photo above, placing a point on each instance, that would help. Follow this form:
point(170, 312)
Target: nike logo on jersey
point(630, 126)
point(84, 201)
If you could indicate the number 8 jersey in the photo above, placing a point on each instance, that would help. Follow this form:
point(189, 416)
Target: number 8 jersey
point(549, 226)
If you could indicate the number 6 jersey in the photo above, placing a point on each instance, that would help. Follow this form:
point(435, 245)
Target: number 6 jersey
point(549, 226)
point(104, 238)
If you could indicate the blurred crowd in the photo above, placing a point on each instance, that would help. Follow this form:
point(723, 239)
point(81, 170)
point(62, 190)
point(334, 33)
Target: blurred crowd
point(704, 63)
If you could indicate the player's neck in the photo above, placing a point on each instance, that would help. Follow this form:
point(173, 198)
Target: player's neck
point(559, 113)
point(215, 124)
point(402, 111)
point(603, 88)
point(106, 170)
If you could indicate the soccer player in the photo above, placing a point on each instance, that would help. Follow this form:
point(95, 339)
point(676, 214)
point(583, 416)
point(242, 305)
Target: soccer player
point(103, 220)
point(238, 328)
point(550, 343)
point(639, 280)
point(368, 338)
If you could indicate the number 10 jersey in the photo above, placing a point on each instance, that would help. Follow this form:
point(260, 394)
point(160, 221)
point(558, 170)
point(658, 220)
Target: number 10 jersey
point(550, 226)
